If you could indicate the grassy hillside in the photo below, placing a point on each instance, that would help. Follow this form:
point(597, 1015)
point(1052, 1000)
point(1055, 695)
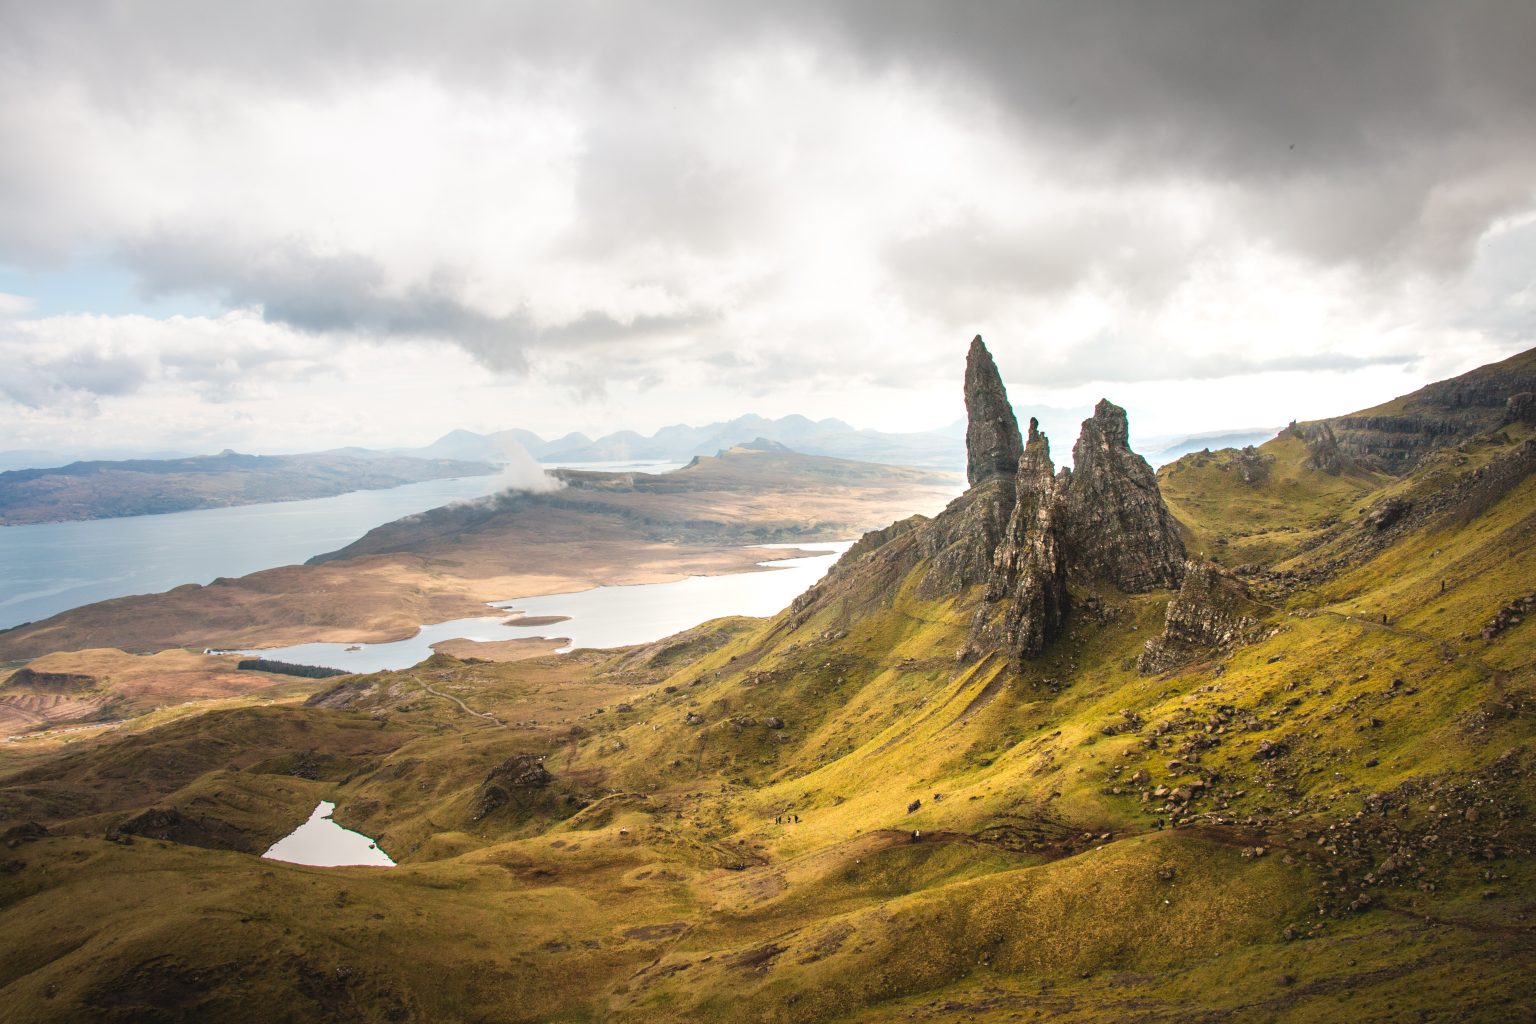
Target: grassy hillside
point(830, 816)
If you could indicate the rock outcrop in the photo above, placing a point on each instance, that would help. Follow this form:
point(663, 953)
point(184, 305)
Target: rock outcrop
point(48, 682)
point(1020, 531)
point(1521, 408)
point(1323, 452)
point(962, 541)
point(520, 773)
point(1027, 568)
point(1112, 515)
point(1210, 613)
point(170, 825)
point(992, 443)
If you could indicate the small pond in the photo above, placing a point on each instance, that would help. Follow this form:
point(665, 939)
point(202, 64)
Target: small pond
point(322, 843)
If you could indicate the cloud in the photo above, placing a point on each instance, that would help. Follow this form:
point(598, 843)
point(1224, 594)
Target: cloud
point(720, 202)
point(14, 305)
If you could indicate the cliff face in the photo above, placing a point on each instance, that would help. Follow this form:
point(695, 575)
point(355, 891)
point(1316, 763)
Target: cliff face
point(992, 444)
point(1113, 518)
point(1396, 435)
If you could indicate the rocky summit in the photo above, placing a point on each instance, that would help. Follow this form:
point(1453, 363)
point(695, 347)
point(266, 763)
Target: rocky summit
point(992, 444)
point(1113, 517)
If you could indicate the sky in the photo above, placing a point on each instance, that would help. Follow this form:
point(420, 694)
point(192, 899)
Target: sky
point(285, 226)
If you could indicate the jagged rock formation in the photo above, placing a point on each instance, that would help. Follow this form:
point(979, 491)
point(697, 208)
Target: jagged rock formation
point(1521, 408)
point(1252, 466)
point(961, 541)
point(1028, 566)
point(1209, 613)
point(1021, 533)
point(992, 443)
point(1112, 518)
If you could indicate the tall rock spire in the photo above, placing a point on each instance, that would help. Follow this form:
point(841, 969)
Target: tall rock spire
point(1114, 522)
point(992, 443)
point(1028, 568)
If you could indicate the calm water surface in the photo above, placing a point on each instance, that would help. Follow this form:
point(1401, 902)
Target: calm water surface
point(52, 567)
point(601, 617)
point(322, 843)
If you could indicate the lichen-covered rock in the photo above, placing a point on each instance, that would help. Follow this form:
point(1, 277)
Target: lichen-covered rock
point(992, 442)
point(1027, 569)
point(1211, 612)
point(1111, 515)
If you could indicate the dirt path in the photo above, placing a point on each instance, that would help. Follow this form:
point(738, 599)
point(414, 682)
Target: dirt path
point(467, 709)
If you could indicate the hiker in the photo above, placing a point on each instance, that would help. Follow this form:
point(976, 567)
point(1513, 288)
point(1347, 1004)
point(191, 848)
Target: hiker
point(917, 835)
point(1383, 618)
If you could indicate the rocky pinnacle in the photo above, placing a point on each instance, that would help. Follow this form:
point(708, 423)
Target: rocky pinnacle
point(1113, 517)
point(1028, 567)
point(992, 442)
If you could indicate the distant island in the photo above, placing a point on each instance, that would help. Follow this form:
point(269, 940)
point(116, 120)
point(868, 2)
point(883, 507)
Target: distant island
point(137, 487)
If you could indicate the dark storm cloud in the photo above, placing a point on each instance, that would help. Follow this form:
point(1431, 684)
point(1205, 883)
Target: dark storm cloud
point(1354, 132)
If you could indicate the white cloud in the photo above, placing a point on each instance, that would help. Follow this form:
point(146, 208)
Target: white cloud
point(624, 215)
point(14, 305)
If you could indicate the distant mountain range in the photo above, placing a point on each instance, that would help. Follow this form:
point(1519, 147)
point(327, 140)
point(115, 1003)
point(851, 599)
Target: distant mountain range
point(829, 437)
point(943, 448)
point(1161, 450)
